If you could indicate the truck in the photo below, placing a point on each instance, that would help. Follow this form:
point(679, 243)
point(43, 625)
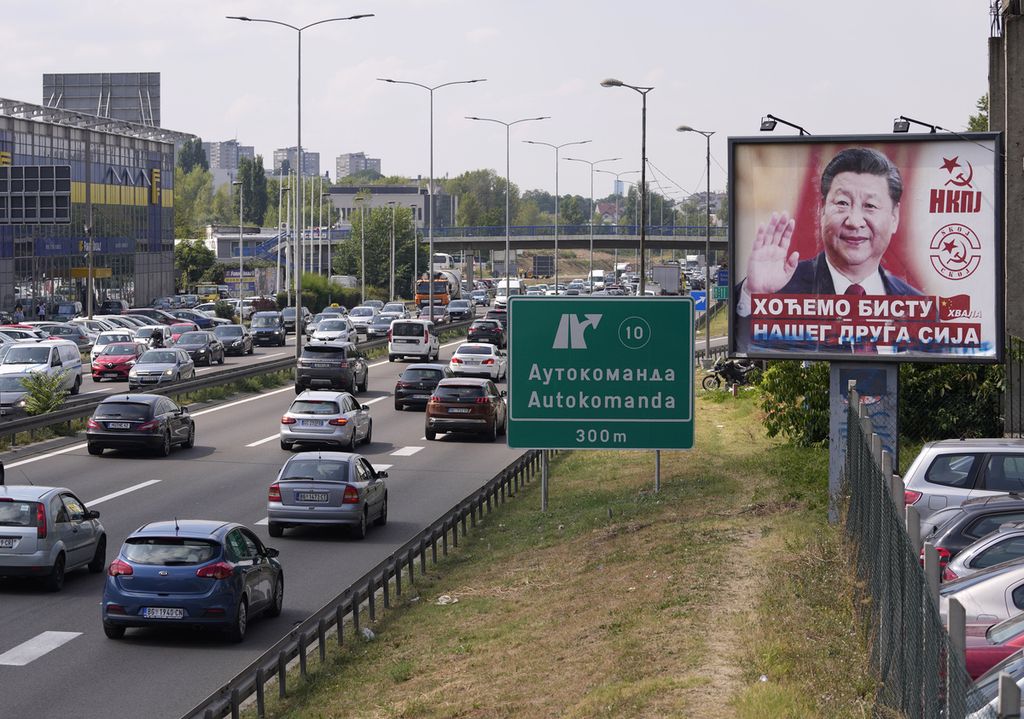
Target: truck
point(596, 278)
point(447, 287)
point(669, 278)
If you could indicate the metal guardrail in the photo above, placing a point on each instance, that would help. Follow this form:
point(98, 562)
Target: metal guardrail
point(377, 583)
point(79, 407)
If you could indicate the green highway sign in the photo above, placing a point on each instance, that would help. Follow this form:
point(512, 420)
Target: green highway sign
point(721, 292)
point(600, 372)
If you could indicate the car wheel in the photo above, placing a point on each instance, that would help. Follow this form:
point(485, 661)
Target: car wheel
point(382, 519)
point(191, 441)
point(99, 558)
point(113, 631)
point(209, 361)
point(366, 381)
point(711, 382)
point(252, 349)
point(430, 434)
point(504, 426)
point(368, 439)
point(95, 451)
point(350, 446)
point(54, 581)
point(391, 358)
point(359, 531)
point(221, 361)
point(287, 446)
point(277, 599)
point(492, 435)
point(77, 386)
point(237, 631)
point(274, 529)
point(165, 448)
point(399, 406)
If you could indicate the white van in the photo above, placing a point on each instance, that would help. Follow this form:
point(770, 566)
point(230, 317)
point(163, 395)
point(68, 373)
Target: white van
point(51, 357)
point(505, 288)
point(414, 338)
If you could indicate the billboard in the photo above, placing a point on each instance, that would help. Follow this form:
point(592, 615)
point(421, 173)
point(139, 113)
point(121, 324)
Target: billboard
point(867, 248)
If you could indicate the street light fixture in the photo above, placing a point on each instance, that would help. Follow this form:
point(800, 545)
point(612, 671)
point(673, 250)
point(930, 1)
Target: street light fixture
point(707, 241)
point(298, 155)
point(768, 123)
point(611, 82)
point(508, 185)
point(430, 188)
point(902, 124)
point(590, 281)
point(556, 148)
point(241, 204)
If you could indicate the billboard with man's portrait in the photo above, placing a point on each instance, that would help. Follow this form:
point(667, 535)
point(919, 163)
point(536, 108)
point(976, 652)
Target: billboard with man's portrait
point(867, 247)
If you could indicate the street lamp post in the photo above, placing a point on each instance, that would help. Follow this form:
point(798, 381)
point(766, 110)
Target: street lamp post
point(508, 186)
point(610, 82)
point(241, 204)
point(361, 200)
point(590, 281)
point(282, 229)
point(707, 241)
point(430, 187)
point(556, 148)
point(298, 150)
point(325, 245)
point(391, 278)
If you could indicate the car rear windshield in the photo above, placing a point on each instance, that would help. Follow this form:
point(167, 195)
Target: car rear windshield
point(169, 551)
point(108, 337)
point(193, 338)
point(323, 352)
point(467, 350)
point(407, 329)
point(123, 410)
point(27, 355)
point(313, 406)
point(316, 470)
point(422, 374)
point(455, 392)
point(393, 307)
point(951, 470)
point(17, 514)
point(478, 325)
point(332, 325)
point(157, 357)
point(228, 331)
point(266, 321)
point(148, 331)
point(361, 312)
point(119, 348)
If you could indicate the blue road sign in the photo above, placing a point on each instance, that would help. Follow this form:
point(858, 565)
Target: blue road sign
point(723, 278)
point(699, 299)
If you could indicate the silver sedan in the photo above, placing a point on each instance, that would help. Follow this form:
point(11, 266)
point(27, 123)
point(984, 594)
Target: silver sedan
point(989, 595)
point(321, 417)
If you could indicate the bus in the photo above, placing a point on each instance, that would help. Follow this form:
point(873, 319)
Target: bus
point(443, 262)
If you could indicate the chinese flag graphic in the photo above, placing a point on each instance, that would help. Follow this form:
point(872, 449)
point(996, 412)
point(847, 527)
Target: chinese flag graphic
point(956, 304)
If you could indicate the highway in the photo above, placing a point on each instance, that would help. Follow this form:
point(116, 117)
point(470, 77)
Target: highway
point(53, 646)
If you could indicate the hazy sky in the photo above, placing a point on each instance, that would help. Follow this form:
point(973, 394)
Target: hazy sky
point(832, 67)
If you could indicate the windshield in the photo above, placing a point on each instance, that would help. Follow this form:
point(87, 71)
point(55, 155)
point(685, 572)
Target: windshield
point(316, 469)
point(148, 331)
point(458, 305)
point(27, 355)
point(416, 375)
point(332, 326)
point(394, 307)
point(193, 338)
point(158, 357)
point(361, 312)
point(228, 331)
point(123, 410)
point(106, 338)
point(440, 288)
point(118, 348)
point(169, 551)
point(266, 321)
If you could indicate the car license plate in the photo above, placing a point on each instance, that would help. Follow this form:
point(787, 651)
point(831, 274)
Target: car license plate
point(311, 423)
point(119, 425)
point(312, 496)
point(320, 365)
point(458, 410)
point(110, 374)
point(421, 396)
point(7, 542)
point(406, 342)
point(163, 613)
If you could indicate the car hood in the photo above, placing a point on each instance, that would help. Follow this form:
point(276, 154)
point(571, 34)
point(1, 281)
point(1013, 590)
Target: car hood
point(116, 359)
point(6, 369)
point(192, 348)
point(154, 366)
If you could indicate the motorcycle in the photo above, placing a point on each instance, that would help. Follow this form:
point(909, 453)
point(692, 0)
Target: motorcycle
point(730, 371)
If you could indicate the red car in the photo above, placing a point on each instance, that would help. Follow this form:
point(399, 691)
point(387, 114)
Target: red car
point(180, 328)
point(116, 360)
point(989, 644)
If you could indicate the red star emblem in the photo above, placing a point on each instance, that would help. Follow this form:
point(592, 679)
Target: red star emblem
point(948, 164)
point(949, 246)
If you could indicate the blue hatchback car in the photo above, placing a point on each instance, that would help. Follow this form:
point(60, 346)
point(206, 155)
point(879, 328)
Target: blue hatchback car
point(193, 572)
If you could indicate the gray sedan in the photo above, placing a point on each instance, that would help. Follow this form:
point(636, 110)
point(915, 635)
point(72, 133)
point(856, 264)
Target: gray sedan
point(1006, 544)
point(161, 367)
point(989, 595)
point(326, 418)
point(327, 488)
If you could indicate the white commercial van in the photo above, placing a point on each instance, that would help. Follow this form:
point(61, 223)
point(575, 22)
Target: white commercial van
point(505, 288)
point(413, 338)
point(22, 359)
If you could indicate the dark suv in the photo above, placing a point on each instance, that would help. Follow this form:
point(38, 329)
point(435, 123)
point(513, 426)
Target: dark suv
point(466, 404)
point(289, 319)
point(335, 365)
point(487, 331)
point(417, 383)
point(268, 328)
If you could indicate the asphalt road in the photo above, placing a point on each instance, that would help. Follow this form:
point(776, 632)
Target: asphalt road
point(225, 476)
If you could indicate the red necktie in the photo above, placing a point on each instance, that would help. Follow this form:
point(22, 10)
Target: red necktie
point(861, 348)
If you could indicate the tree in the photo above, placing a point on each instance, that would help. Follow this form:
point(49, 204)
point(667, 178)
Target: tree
point(192, 155)
point(192, 258)
point(979, 122)
point(572, 210)
point(488, 193)
point(347, 257)
point(254, 189)
point(193, 196)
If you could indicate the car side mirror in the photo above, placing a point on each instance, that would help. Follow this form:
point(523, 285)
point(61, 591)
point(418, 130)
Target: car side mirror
point(184, 409)
point(273, 553)
point(366, 407)
point(92, 514)
point(382, 475)
point(504, 393)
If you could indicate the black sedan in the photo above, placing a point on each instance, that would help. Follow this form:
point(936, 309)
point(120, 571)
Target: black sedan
point(459, 310)
point(491, 331)
point(379, 327)
point(236, 338)
point(417, 383)
point(203, 347)
point(139, 421)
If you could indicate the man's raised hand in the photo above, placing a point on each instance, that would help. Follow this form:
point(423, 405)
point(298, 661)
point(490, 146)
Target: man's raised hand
point(771, 265)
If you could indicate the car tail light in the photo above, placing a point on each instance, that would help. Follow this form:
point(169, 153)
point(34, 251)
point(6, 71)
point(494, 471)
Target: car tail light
point(426, 334)
point(483, 400)
point(151, 426)
point(115, 608)
point(389, 335)
point(944, 556)
point(488, 361)
point(274, 494)
point(910, 496)
point(337, 422)
point(456, 360)
point(343, 364)
point(434, 398)
point(219, 570)
point(351, 495)
point(118, 568)
point(948, 575)
point(403, 385)
point(40, 520)
point(92, 424)
point(287, 420)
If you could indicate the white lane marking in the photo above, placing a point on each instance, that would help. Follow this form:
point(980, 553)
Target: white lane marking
point(382, 467)
point(423, 439)
point(126, 490)
point(243, 401)
point(376, 399)
point(276, 354)
point(406, 451)
point(263, 522)
point(258, 442)
point(65, 450)
point(36, 647)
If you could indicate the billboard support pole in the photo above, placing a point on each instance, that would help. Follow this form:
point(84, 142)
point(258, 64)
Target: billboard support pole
point(544, 480)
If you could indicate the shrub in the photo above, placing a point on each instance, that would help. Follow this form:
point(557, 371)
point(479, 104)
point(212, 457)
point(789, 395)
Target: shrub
point(44, 392)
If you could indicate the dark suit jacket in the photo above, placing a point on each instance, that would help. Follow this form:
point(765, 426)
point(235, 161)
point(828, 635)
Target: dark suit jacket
point(812, 277)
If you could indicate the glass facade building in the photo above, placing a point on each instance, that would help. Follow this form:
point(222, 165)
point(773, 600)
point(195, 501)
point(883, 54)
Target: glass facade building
point(122, 196)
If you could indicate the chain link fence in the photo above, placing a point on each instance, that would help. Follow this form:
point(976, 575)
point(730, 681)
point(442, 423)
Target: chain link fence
point(920, 675)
